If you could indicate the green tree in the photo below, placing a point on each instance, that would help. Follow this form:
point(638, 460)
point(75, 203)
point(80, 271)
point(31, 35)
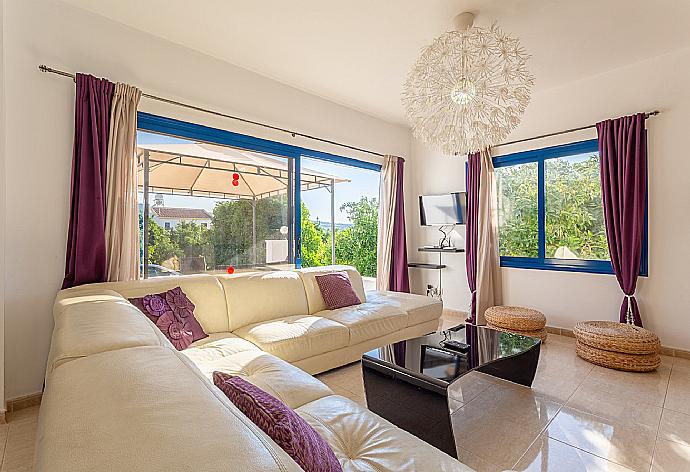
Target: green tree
point(316, 247)
point(356, 245)
point(161, 245)
point(231, 229)
point(574, 213)
point(194, 243)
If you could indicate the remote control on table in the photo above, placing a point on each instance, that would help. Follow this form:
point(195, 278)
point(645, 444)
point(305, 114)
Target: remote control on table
point(456, 346)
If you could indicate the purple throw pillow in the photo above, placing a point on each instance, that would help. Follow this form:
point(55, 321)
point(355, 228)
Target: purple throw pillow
point(282, 424)
point(173, 313)
point(336, 290)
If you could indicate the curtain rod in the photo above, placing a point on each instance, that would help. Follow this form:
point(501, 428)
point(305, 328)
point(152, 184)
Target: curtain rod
point(44, 68)
point(572, 130)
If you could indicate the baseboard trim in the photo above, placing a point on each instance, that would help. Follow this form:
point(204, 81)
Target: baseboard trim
point(665, 351)
point(25, 401)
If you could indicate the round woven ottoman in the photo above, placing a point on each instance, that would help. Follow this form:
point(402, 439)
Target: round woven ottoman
point(541, 333)
point(518, 320)
point(617, 345)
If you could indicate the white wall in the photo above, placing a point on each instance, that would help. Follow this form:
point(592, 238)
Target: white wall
point(664, 297)
point(39, 141)
point(2, 205)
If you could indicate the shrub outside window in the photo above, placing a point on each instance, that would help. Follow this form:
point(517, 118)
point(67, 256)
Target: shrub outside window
point(550, 212)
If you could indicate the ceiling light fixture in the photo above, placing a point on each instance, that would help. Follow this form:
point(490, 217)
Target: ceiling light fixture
point(468, 89)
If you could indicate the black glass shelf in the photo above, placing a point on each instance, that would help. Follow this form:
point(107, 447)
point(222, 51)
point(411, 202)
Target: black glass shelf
point(424, 265)
point(439, 249)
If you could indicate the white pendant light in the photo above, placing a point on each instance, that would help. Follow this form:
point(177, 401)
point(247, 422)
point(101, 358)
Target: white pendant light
point(468, 89)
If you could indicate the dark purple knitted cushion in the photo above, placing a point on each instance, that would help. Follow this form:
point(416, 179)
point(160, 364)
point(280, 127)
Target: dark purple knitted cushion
point(281, 423)
point(337, 291)
point(173, 313)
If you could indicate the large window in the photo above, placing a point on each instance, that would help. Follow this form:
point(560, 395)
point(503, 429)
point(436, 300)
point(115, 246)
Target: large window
point(550, 210)
point(340, 222)
point(215, 201)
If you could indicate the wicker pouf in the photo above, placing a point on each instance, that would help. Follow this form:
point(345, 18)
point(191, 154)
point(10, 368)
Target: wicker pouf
point(541, 334)
point(617, 345)
point(516, 319)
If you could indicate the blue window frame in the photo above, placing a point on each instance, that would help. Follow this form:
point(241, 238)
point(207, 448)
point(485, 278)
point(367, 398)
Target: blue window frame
point(183, 129)
point(539, 157)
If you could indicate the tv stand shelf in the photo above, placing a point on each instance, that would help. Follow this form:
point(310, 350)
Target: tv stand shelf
point(424, 265)
point(440, 266)
point(440, 249)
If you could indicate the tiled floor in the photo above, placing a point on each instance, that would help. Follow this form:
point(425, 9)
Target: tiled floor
point(577, 417)
point(17, 439)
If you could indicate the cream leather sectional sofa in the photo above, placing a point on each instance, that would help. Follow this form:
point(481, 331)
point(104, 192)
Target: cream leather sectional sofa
point(120, 397)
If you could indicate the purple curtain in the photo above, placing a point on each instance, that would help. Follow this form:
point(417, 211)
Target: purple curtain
point(85, 260)
point(471, 237)
point(399, 277)
point(623, 157)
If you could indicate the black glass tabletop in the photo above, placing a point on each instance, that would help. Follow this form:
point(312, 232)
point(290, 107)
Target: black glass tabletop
point(445, 356)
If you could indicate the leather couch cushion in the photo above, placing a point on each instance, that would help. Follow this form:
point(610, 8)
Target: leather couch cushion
point(311, 287)
point(336, 290)
point(368, 320)
point(203, 290)
point(420, 308)
point(173, 313)
point(146, 409)
point(217, 346)
point(97, 321)
point(296, 337)
point(363, 441)
point(291, 385)
point(256, 297)
point(281, 423)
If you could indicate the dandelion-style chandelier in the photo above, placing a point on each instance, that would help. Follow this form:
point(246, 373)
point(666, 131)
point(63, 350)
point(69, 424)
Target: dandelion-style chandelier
point(468, 89)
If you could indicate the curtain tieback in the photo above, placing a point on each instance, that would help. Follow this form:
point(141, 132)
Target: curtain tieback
point(469, 307)
point(629, 318)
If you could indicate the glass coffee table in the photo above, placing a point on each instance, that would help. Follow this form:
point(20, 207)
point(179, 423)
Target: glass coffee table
point(407, 382)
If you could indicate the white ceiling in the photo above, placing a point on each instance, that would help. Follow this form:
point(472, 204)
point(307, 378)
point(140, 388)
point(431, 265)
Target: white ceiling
point(358, 52)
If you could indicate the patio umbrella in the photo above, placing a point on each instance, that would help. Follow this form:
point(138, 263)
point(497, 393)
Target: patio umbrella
point(206, 170)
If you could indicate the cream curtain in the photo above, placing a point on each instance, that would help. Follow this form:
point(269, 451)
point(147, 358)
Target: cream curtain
point(387, 205)
point(489, 285)
point(122, 213)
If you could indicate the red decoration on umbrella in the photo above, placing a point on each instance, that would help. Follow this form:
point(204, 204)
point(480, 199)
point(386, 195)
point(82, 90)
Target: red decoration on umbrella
point(231, 270)
point(235, 183)
point(235, 176)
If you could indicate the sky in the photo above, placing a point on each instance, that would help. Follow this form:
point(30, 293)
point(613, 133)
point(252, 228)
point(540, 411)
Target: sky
point(363, 183)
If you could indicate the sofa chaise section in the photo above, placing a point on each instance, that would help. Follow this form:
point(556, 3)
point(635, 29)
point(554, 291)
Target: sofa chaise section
point(125, 399)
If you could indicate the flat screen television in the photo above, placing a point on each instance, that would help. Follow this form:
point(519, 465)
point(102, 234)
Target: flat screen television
point(441, 210)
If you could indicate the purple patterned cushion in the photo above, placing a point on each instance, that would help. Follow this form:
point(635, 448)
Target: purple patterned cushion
point(336, 290)
point(173, 313)
point(282, 424)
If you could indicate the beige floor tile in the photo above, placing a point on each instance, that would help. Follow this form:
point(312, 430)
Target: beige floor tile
point(678, 395)
point(592, 399)
point(624, 442)
point(21, 437)
point(500, 424)
point(495, 440)
point(648, 387)
point(675, 426)
point(454, 405)
point(550, 455)
point(516, 403)
point(681, 365)
point(560, 372)
point(475, 462)
point(671, 456)
point(470, 385)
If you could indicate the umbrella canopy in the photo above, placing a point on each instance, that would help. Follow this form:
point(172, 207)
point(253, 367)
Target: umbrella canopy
point(208, 170)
